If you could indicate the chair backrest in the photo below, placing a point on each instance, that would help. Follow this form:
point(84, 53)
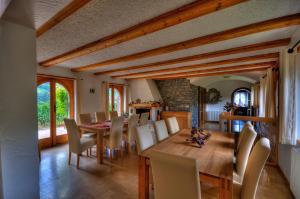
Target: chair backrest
point(257, 160)
point(73, 135)
point(131, 130)
point(244, 151)
point(161, 130)
point(85, 118)
point(116, 132)
point(113, 114)
point(144, 118)
point(175, 177)
point(144, 137)
point(246, 125)
point(172, 125)
point(100, 116)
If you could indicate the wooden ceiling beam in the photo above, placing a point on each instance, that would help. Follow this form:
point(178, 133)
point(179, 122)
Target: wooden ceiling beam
point(177, 16)
point(61, 15)
point(261, 57)
point(268, 25)
point(211, 70)
point(241, 49)
point(218, 73)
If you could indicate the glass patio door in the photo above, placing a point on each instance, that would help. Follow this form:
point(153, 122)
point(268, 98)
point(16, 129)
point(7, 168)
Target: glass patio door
point(115, 97)
point(55, 101)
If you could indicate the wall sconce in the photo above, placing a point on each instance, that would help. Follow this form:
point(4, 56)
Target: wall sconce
point(92, 90)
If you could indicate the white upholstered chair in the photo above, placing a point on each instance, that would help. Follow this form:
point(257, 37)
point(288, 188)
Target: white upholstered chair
point(161, 130)
point(144, 137)
point(115, 135)
point(100, 116)
point(243, 154)
point(113, 114)
point(246, 125)
point(175, 177)
point(256, 163)
point(172, 125)
point(131, 130)
point(76, 144)
point(85, 118)
point(144, 118)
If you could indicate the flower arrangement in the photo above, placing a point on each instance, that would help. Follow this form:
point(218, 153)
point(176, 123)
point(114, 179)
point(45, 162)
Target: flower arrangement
point(230, 106)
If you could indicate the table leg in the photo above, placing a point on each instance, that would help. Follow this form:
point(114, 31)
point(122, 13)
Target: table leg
point(226, 189)
point(143, 178)
point(100, 147)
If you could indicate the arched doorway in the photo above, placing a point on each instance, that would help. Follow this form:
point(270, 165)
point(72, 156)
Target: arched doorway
point(55, 101)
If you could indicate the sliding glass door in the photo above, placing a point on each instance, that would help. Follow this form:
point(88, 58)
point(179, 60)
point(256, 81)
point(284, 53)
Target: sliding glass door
point(55, 101)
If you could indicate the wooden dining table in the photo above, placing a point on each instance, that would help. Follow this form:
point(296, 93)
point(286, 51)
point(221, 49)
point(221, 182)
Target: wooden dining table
point(101, 129)
point(215, 160)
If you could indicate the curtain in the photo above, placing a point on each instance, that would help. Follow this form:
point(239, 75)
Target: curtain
point(126, 98)
point(262, 97)
point(104, 97)
point(289, 106)
point(255, 95)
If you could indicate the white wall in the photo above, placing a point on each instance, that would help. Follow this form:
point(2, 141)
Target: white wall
point(226, 87)
point(143, 89)
point(18, 123)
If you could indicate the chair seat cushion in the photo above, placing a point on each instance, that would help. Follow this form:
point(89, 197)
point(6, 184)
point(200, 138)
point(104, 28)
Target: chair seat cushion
point(86, 143)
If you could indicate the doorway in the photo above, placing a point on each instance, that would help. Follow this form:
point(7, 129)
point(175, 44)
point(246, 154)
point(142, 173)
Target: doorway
point(55, 101)
point(115, 98)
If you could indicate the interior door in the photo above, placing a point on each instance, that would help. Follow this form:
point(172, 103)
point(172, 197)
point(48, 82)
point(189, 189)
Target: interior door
point(55, 101)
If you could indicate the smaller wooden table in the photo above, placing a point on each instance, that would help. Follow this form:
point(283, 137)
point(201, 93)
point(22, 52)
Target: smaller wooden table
point(215, 160)
point(100, 129)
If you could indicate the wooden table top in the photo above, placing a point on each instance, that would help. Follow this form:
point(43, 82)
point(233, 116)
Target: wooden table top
point(215, 157)
point(99, 126)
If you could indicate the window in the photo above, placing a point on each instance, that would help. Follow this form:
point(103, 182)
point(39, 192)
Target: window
point(241, 97)
point(115, 98)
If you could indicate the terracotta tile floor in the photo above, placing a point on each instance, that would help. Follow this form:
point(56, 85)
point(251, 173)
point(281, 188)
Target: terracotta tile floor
point(58, 180)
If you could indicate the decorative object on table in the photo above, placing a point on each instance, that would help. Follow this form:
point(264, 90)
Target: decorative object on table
point(230, 106)
point(198, 136)
point(213, 96)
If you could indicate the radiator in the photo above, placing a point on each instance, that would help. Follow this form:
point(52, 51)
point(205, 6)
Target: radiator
point(212, 116)
point(295, 174)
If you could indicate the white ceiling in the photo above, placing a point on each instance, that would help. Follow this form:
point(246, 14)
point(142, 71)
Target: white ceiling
point(101, 18)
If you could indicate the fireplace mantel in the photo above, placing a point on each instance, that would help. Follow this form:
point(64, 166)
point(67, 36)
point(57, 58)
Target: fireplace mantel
point(144, 105)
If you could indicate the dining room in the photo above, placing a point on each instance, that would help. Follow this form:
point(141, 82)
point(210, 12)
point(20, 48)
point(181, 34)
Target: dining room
point(151, 99)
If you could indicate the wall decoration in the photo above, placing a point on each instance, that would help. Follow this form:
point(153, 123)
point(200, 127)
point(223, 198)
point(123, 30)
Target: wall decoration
point(213, 96)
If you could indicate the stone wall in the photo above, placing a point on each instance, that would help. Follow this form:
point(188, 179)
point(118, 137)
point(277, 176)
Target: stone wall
point(180, 95)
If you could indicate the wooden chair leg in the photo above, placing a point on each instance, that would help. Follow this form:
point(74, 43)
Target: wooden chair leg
point(78, 160)
point(70, 155)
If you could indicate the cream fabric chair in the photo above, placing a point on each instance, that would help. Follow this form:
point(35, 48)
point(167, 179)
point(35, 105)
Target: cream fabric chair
point(113, 114)
point(243, 154)
point(172, 125)
point(131, 130)
point(256, 163)
point(85, 118)
point(115, 135)
point(144, 118)
point(161, 130)
point(100, 116)
point(145, 139)
point(246, 125)
point(175, 177)
point(76, 144)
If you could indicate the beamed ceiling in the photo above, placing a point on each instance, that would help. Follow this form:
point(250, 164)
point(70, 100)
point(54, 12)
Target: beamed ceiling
point(161, 38)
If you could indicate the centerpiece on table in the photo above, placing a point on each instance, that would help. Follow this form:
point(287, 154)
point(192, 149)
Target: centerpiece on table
point(198, 136)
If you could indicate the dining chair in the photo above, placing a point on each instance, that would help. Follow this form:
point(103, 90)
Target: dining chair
point(256, 163)
point(113, 114)
point(85, 118)
point(246, 125)
point(115, 135)
point(145, 137)
point(161, 130)
point(243, 154)
point(175, 177)
point(100, 116)
point(130, 135)
point(77, 145)
point(144, 118)
point(172, 125)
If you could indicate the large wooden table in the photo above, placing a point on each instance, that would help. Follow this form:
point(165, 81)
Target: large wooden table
point(215, 160)
point(101, 129)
